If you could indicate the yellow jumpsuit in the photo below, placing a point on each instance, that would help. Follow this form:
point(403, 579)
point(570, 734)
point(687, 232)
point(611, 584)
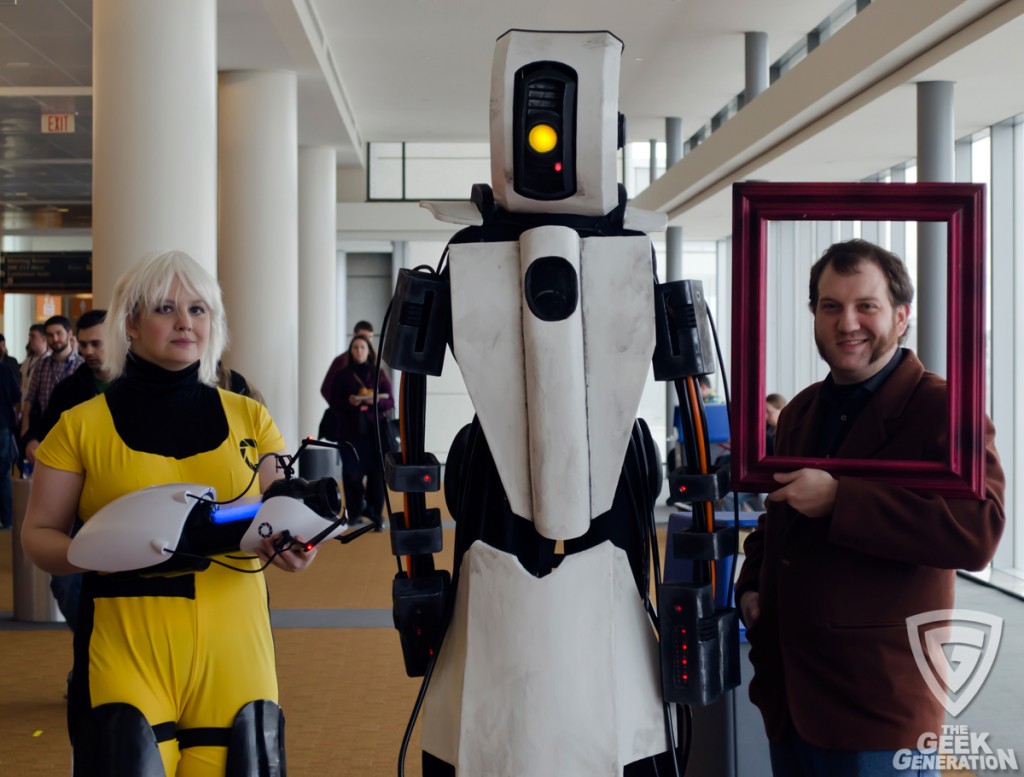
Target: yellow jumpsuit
point(189, 650)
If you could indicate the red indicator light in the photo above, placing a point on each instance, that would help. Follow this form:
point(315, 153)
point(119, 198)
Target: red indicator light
point(426, 478)
point(685, 646)
point(558, 167)
point(682, 489)
point(684, 662)
point(309, 547)
point(679, 608)
point(430, 651)
point(686, 677)
point(682, 631)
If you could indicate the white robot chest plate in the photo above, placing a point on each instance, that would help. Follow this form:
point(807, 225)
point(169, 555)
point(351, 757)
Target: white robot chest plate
point(554, 336)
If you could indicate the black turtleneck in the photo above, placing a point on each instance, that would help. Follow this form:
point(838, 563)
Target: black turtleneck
point(842, 403)
point(166, 413)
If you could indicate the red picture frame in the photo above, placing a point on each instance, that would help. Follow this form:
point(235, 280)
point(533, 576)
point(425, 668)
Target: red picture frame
point(961, 207)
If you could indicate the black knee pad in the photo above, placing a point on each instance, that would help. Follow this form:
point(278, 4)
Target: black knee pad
point(116, 740)
point(256, 743)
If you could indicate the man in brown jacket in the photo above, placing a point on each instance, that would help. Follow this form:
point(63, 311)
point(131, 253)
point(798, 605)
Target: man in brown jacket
point(837, 566)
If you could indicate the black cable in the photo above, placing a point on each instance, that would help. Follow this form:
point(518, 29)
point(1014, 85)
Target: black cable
point(718, 351)
point(398, 404)
point(444, 257)
point(639, 516)
point(735, 502)
point(656, 563)
point(651, 557)
point(255, 473)
point(376, 388)
point(688, 444)
point(415, 714)
point(277, 552)
point(672, 746)
point(686, 734)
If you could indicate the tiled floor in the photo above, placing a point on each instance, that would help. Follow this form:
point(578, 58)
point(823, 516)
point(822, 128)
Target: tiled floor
point(343, 686)
point(344, 690)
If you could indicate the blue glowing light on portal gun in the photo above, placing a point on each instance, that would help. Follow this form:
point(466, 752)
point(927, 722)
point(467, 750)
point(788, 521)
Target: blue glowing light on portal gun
point(180, 526)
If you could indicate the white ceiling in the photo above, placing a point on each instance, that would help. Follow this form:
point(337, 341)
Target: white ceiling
point(389, 70)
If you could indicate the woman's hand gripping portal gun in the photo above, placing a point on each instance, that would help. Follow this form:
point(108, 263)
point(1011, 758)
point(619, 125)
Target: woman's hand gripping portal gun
point(180, 526)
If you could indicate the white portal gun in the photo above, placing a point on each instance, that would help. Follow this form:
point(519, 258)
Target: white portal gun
point(178, 527)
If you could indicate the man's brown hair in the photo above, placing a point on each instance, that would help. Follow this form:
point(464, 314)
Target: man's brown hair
point(846, 256)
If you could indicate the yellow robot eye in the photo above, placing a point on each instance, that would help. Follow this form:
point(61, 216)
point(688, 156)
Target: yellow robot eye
point(543, 138)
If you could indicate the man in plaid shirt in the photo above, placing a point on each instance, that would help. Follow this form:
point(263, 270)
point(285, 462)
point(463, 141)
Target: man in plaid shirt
point(59, 363)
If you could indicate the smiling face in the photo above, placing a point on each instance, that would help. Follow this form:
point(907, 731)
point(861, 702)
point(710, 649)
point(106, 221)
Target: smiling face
point(57, 338)
point(173, 334)
point(856, 327)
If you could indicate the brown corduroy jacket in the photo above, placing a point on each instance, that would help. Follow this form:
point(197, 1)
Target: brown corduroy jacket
point(831, 651)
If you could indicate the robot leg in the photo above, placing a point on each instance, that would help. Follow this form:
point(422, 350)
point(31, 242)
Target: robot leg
point(116, 740)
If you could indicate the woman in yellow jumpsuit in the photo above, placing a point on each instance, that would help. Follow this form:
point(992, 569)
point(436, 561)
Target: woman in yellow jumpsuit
point(187, 651)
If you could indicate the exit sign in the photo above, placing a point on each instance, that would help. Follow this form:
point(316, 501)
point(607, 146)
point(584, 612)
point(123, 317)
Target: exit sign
point(58, 122)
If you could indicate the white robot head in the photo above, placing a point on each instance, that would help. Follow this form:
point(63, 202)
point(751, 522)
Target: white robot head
point(555, 125)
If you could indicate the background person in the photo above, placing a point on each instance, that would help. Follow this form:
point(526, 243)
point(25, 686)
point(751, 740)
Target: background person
point(358, 423)
point(361, 329)
point(836, 566)
point(10, 361)
point(53, 367)
point(180, 659)
point(707, 391)
point(773, 405)
point(90, 379)
point(232, 380)
point(329, 421)
point(35, 348)
point(9, 398)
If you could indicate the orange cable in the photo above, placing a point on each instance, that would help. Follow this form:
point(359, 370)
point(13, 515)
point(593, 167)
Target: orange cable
point(702, 456)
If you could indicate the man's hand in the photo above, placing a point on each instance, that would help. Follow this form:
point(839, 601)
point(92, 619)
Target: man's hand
point(750, 608)
point(30, 451)
point(808, 491)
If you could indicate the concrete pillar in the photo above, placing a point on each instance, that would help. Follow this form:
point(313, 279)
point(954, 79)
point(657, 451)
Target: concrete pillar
point(654, 160)
point(19, 312)
point(342, 326)
point(755, 64)
point(674, 235)
point(935, 155)
point(154, 134)
point(259, 264)
point(318, 216)
point(673, 140)
point(673, 250)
